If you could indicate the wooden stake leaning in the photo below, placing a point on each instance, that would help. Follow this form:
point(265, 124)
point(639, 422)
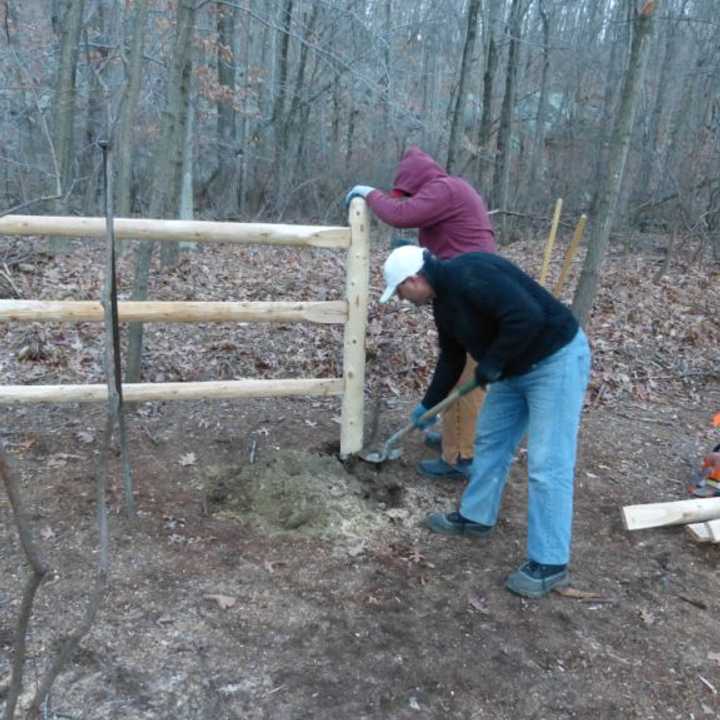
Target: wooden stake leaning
point(551, 241)
point(570, 254)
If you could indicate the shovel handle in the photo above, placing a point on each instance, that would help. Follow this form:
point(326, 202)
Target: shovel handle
point(457, 393)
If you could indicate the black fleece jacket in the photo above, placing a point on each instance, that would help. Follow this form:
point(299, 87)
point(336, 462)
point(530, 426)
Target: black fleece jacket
point(489, 308)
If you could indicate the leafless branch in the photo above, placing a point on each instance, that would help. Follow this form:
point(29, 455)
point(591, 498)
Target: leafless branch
point(39, 570)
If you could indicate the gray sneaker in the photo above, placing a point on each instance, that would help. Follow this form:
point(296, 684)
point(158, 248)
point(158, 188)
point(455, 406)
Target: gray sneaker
point(455, 524)
point(533, 580)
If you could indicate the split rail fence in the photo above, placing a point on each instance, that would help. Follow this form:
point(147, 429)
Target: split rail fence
point(352, 311)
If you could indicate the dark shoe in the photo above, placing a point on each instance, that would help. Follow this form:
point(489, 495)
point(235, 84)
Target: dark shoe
point(534, 580)
point(439, 468)
point(433, 440)
point(454, 524)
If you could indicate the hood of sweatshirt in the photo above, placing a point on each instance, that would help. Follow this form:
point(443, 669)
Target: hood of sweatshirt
point(415, 169)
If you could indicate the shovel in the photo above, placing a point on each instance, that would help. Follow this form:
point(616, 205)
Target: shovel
point(392, 453)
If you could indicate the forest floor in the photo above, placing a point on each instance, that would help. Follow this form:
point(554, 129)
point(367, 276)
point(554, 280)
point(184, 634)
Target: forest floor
point(263, 579)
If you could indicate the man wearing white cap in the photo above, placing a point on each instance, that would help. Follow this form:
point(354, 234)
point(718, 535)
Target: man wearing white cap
point(535, 360)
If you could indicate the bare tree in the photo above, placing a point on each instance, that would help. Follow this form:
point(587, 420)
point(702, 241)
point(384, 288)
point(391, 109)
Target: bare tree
point(538, 136)
point(165, 189)
point(501, 178)
point(64, 103)
point(485, 158)
point(126, 132)
point(457, 127)
point(620, 144)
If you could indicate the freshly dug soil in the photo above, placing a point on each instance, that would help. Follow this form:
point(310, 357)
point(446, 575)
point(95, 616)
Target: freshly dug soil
point(293, 492)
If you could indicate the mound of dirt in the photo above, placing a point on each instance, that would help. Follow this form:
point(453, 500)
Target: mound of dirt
point(293, 491)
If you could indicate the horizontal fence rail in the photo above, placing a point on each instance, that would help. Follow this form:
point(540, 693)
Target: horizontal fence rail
point(330, 312)
point(143, 392)
point(179, 230)
point(350, 312)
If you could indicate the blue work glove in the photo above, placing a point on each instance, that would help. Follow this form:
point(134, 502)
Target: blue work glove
point(485, 374)
point(358, 191)
point(417, 413)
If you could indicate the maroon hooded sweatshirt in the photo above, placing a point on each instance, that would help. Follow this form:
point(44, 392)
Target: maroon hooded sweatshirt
point(452, 217)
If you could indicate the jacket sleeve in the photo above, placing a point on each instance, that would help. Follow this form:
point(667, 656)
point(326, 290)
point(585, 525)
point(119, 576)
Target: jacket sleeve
point(519, 320)
point(448, 370)
point(425, 208)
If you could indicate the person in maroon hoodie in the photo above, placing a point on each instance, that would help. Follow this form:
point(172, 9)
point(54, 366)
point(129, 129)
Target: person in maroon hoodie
point(452, 219)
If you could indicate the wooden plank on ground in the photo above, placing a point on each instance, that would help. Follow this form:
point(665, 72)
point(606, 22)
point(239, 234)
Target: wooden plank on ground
point(680, 512)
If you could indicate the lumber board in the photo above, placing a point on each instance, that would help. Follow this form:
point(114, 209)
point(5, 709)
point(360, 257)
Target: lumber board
point(679, 512)
point(330, 312)
point(143, 392)
point(323, 236)
point(705, 532)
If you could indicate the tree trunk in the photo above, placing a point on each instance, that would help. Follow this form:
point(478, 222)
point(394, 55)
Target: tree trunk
point(226, 184)
point(504, 142)
point(386, 77)
point(97, 112)
point(485, 162)
point(457, 127)
point(170, 251)
point(279, 119)
point(65, 89)
point(615, 62)
point(64, 106)
point(297, 117)
point(245, 130)
point(126, 125)
point(620, 144)
point(537, 150)
point(164, 190)
point(186, 211)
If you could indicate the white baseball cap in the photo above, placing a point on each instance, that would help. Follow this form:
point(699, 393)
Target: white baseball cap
point(402, 263)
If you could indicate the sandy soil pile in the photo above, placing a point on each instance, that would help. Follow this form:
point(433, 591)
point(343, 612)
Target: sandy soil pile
point(293, 492)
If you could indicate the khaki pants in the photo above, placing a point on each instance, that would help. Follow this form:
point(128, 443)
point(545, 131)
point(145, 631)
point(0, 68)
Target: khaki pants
point(458, 421)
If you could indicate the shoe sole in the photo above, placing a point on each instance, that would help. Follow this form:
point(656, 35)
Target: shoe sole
point(454, 531)
point(540, 592)
point(454, 474)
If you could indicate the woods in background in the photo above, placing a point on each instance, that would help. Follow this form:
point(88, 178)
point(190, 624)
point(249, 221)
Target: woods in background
point(271, 108)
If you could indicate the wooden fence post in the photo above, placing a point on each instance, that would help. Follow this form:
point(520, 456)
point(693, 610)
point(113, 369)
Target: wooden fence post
point(358, 270)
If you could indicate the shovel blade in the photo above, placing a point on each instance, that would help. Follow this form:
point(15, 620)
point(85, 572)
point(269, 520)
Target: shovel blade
point(380, 456)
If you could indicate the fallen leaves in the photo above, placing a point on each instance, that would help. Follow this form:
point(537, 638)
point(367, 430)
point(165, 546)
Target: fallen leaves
point(47, 533)
point(85, 437)
point(188, 459)
point(647, 336)
point(478, 603)
point(225, 602)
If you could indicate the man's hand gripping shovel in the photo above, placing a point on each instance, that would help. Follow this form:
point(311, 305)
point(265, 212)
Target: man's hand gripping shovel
point(389, 452)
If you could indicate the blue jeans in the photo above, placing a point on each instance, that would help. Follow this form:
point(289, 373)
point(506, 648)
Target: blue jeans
point(546, 403)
